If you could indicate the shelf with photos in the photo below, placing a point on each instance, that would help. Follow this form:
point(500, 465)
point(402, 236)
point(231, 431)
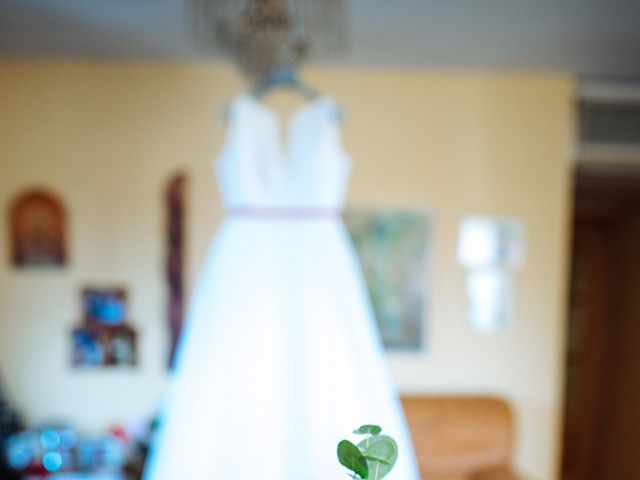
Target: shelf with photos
point(105, 338)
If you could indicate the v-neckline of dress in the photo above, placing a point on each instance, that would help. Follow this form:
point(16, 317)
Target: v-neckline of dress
point(285, 126)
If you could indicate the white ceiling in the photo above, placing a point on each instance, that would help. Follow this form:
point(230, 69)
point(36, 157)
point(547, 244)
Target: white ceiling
point(588, 37)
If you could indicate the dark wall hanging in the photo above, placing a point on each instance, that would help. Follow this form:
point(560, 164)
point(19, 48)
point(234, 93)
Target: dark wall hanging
point(38, 228)
point(175, 208)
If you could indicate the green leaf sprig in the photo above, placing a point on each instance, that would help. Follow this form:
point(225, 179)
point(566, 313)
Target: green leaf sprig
point(372, 458)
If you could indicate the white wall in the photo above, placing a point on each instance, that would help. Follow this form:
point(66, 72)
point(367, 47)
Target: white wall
point(106, 136)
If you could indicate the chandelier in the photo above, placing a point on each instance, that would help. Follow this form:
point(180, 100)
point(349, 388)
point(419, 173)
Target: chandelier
point(260, 36)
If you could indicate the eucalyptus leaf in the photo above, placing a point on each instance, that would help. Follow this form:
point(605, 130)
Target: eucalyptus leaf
point(381, 453)
point(351, 457)
point(376, 459)
point(368, 430)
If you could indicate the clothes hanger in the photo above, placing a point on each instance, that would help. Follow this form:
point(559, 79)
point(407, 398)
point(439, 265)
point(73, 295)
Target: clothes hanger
point(285, 77)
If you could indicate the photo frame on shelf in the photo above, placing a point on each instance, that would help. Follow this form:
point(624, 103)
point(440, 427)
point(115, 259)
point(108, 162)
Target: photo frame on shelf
point(88, 348)
point(105, 306)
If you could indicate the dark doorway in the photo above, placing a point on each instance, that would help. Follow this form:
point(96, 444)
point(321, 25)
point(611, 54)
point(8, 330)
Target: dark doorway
point(602, 391)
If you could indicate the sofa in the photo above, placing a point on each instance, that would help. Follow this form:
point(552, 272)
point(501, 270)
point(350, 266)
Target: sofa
point(461, 437)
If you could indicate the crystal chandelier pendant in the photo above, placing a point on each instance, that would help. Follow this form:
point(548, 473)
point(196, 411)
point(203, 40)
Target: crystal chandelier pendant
point(261, 36)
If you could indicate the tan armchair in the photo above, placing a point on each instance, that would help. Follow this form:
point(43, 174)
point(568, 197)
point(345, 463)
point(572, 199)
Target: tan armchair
point(461, 438)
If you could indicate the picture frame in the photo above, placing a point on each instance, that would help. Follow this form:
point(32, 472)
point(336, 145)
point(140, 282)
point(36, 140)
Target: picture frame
point(393, 246)
point(105, 306)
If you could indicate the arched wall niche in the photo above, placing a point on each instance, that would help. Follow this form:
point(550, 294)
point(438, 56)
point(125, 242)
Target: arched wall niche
point(38, 223)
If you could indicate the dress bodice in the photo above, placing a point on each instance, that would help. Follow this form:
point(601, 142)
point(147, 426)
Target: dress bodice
point(255, 170)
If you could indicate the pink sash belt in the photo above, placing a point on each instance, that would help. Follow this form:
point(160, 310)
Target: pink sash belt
point(283, 213)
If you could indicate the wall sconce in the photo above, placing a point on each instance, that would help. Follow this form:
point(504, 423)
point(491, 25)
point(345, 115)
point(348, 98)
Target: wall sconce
point(490, 249)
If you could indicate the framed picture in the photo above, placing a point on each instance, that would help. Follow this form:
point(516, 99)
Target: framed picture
point(37, 224)
point(88, 349)
point(393, 247)
point(121, 346)
point(105, 306)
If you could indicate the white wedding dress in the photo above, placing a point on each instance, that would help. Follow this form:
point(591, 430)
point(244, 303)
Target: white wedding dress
point(280, 356)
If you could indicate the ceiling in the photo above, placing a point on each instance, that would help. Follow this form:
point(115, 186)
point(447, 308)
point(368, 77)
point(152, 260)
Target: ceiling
point(587, 37)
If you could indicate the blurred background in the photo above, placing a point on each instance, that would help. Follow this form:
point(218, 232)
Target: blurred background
point(524, 116)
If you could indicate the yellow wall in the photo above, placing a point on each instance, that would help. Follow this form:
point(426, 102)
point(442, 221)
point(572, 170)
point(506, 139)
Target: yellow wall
point(106, 136)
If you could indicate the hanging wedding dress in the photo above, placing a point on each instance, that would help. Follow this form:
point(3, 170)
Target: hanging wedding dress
point(280, 356)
